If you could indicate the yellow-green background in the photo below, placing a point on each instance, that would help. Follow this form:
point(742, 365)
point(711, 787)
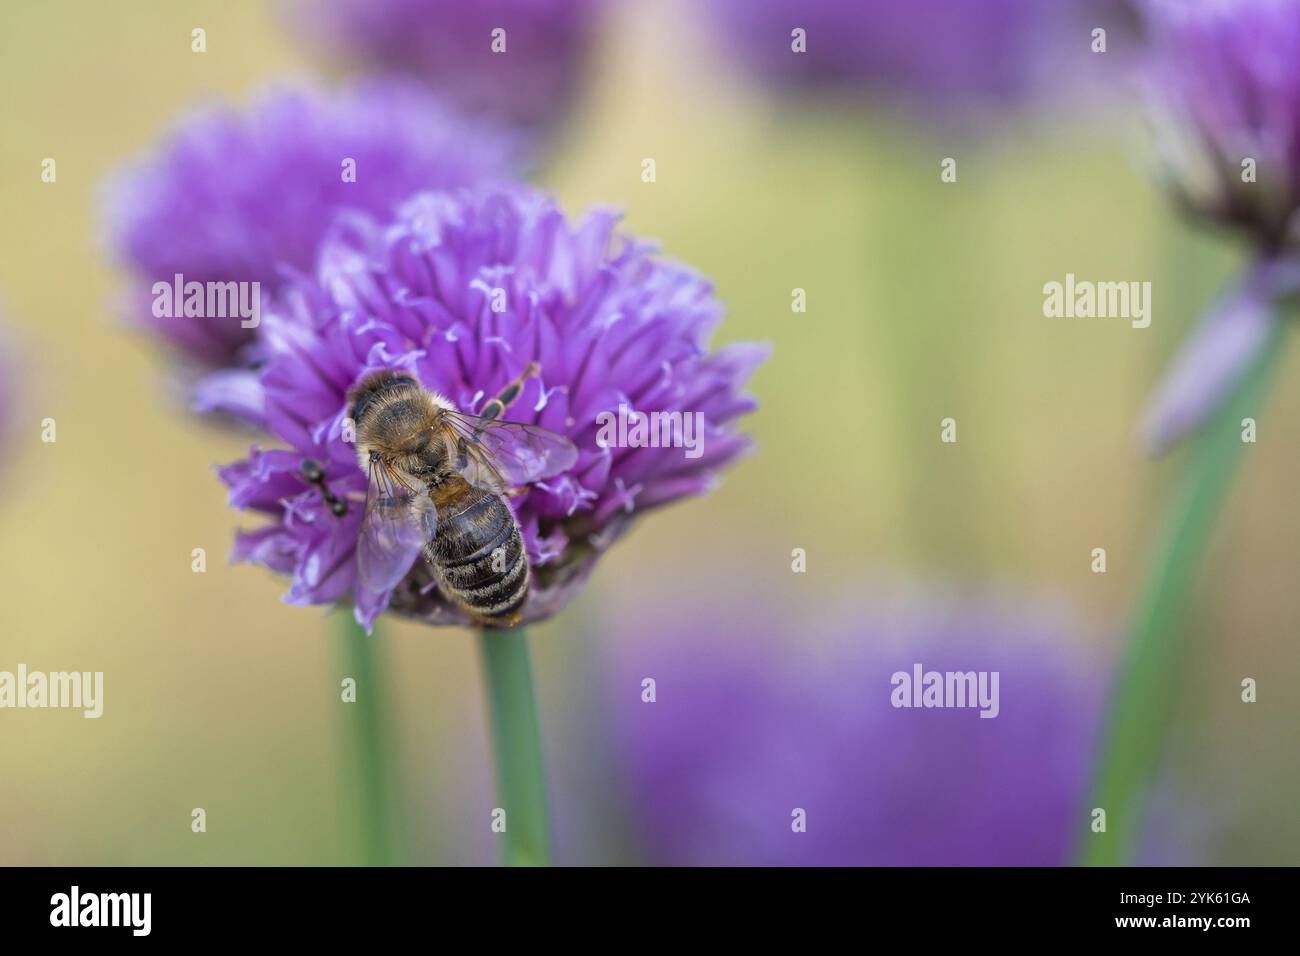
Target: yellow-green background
point(924, 301)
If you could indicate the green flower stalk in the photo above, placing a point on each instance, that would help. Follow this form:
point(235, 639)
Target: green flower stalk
point(517, 744)
point(367, 767)
point(1151, 670)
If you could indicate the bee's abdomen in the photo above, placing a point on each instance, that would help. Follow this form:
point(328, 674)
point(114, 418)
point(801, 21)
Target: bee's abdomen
point(480, 558)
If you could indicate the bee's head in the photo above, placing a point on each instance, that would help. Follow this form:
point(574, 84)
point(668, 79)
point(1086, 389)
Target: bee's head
point(390, 416)
point(375, 387)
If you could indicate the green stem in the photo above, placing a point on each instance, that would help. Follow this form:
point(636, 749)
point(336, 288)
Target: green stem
point(367, 769)
point(521, 778)
point(1150, 673)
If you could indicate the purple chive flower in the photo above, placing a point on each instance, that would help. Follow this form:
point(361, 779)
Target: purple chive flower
point(608, 321)
point(756, 716)
point(1224, 77)
point(247, 195)
point(450, 45)
point(937, 55)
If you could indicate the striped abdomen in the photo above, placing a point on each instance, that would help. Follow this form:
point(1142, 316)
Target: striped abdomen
point(479, 557)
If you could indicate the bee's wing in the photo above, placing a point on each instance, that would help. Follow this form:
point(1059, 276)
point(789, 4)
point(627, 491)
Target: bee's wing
point(397, 523)
point(498, 455)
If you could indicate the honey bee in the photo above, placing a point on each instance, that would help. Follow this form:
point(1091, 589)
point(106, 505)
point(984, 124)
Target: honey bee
point(438, 482)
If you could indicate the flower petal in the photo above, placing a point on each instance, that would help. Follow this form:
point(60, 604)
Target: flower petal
point(1204, 373)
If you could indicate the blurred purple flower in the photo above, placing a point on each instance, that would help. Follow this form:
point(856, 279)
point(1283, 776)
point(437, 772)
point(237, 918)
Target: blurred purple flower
point(9, 399)
point(751, 720)
point(449, 44)
point(248, 195)
point(608, 321)
point(942, 56)
point(1224, 77)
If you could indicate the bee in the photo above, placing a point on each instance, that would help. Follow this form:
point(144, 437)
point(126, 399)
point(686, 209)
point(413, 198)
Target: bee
point(438, 482)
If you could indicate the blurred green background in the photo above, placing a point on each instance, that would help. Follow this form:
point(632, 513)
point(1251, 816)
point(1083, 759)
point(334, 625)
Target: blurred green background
point(924, 301)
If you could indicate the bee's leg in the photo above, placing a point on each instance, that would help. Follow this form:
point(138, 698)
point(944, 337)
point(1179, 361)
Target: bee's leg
point(496, 406)
point(313, 474)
